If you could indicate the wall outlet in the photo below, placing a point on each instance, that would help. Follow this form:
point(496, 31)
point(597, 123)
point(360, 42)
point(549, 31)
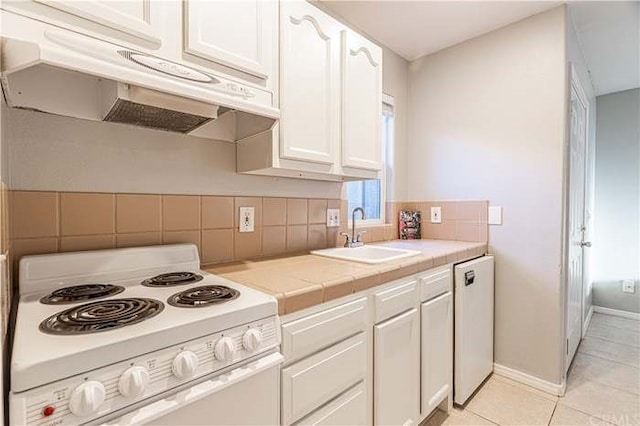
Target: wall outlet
point(436, 214)
point(628, 286)
point(246, 219)
point(333, 218)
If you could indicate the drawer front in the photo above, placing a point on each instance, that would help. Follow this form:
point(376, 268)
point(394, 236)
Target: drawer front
point(314, 332)
point(395, 300)
point(314, 381)
point(435, 283)
point(350, 408)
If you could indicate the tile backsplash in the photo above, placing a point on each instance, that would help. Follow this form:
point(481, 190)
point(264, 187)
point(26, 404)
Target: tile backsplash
point(461, 220)
point(50, 222)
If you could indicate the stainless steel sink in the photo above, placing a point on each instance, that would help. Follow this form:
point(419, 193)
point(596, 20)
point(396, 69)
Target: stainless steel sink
point(366, 254)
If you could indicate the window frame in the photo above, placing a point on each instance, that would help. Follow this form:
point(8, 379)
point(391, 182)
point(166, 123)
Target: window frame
point(382, 174)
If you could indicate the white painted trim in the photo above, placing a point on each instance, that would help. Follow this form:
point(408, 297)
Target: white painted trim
point(617, 313)
point(587, 321)
point(526, 379)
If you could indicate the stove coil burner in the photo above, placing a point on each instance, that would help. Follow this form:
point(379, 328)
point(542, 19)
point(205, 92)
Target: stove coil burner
point(79, 293)
point(203, 296)
point(172, 279)
point(100, 316)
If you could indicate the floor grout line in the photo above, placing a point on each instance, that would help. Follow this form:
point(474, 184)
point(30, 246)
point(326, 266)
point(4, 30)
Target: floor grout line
point(612, 341)
point(555, 407)
point(607, 359)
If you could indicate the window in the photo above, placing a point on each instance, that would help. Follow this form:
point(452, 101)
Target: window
point(370, 194)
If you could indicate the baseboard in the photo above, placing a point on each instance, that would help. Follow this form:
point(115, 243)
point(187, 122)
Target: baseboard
point(587, 321)
point(617, 313)
point(526, 379)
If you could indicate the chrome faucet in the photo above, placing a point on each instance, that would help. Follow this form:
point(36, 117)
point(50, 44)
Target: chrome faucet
point(354, 240)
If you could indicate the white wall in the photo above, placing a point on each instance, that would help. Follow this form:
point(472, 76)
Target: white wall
point(576, 57)
point(56, 153)
point(617, 204)
point(487, 121)
point(395, 83)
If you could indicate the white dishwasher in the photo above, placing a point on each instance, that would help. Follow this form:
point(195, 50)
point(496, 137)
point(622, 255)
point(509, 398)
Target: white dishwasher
point(473, 326)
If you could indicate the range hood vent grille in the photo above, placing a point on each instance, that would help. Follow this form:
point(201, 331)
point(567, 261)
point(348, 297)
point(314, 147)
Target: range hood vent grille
point(127, 112)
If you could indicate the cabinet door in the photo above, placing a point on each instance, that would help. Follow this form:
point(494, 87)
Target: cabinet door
point(309, 83)
point(437, 351)
point(238, 34)
point(396, 370)
point(131, 17)
point(361, 102)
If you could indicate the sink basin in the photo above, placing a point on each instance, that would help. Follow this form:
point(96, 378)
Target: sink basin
point(366, 254)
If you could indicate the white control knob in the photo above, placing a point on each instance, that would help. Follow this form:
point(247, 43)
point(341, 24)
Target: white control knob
point(252, 339)
point(185, 364)
point(225, 348)
point(87, 398)
point(133, 382)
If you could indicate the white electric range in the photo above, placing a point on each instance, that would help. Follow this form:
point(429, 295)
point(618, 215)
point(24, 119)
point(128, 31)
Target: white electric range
point(140, 335)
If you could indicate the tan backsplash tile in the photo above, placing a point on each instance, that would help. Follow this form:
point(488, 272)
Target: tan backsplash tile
point(248, 244)
point(274, 211)
point(274, 240)
point(24, 247)
point(86, 214)
point(296, 238)
point(34, 214)
point(217, 246)
point(297, 209)
point(139, 239)
point(318, 211)
point(87, 242)
point(317, 237)
point(138, 213)
point(180, 212)
point(217, 212)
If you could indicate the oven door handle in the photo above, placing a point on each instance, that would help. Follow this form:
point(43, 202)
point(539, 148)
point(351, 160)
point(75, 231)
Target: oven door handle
point(201, 390)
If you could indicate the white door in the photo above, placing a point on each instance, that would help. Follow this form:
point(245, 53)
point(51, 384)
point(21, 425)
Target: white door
point(437, 351)
point(237, 34)
point(309, 83)
point(361, 102)
point(396, 370)
point(131, 17)
point(576, 225)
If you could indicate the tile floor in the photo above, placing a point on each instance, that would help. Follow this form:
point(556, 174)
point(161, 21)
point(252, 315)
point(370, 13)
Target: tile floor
point(603, 387)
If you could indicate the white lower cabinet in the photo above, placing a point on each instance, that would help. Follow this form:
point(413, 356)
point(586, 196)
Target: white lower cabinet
point(396, 386)
point(316, 380)
point(437, 351)
point(349, 408)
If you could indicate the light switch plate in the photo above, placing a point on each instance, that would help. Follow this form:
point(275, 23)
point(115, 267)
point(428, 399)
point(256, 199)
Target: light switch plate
point(436, 214)
point(495, 215)
point(628, 286)
point(246, 219)
point(333, 218)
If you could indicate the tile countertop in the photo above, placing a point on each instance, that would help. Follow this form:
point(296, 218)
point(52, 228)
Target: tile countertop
point(299, 282)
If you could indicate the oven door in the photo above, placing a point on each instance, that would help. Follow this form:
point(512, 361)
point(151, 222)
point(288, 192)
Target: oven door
point(247, 395)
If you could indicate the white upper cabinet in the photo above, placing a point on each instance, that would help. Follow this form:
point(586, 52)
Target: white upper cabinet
point(239, 34)
point(361, 102)
point(131, 17)
point(309, 83)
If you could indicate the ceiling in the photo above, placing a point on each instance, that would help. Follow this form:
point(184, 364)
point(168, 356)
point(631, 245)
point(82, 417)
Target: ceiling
point(417, 28)
point(609, 37)
point(608, 31)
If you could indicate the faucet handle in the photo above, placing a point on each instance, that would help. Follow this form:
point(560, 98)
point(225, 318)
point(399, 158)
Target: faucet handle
point(359, 235)
point(347, 238)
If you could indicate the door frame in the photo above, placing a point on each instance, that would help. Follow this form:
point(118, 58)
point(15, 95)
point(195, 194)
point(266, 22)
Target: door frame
point(575, 83)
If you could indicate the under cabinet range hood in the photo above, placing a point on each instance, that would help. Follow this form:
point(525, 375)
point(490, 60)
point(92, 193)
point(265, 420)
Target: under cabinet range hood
point(56, 71)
